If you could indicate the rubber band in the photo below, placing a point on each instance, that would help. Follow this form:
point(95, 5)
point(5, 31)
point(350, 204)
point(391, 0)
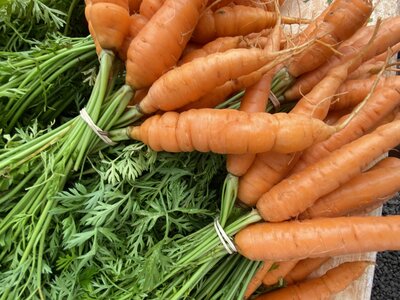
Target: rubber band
point(103, 135)
point(224, 238)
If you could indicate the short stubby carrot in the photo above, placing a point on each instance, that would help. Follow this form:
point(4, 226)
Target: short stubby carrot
point(228, 131)
point(318, 238)
point(359, 193)
point(333, 282)
point(236, 20)
point(160, 43)
point(109, 20)
point(299, 191)
point(381, 103)
point(304, 268)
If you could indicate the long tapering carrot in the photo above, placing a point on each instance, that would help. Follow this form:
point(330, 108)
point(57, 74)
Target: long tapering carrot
point(333, 282)
point(228, 131)
point(304, 268)
point(270, 168)
point(109, 20)
point(299, 191)
point(318, 238)
point(362, 191)
point(236, 20)
point(256, 281)
point(278, 273)
point(354, 91)
point(160, 43)
point(388, 35)
point(381, 103)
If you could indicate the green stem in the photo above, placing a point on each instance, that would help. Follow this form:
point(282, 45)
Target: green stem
point(130, 116)
point(70, 11)
point(281, 82)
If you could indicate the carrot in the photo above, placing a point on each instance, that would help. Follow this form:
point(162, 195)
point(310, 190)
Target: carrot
point(109, 20)
point(270, 168)
point(333, 282)
point(139, 95)
point(254, 100)
point(176, 88)
point(342, 20)
point(149, 7)
point(218, 45)
point(163, 37)
point(362, 191)
point(304, 268)
point(137, 22)
point(382, 102)
point(354, 91)
point(257, 279)
point(388, 35)
point(366, 70)
point(283, 267)
point(337, 116)
point(236, 20)
point(227, 131)
point(299, 191)
point(134, 6)
point(318, 238)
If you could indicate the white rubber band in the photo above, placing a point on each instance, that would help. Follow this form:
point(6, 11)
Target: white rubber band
point(103, 135)
point(224, 238)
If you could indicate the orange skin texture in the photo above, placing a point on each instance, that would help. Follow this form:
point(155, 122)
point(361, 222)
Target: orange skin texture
point(331, 283)
point(257, 279)
point(304, 268)
point(177, 88)
point(255, 100)
point(275, 275)
point(137, 22)
point(149, 7)
point(352, 92)
point(235, 20)
point(229, 131)
point(270, 168)
point(388, 35)
point(164, 37)
point(382, 102)
point(318, 238)
point(134, 6)
point(109, 21)
point(342, 20)
point(361, 192)
point(301, 190)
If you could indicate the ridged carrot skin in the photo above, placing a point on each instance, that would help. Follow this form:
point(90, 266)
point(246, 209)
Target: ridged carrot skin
point(304, 268)
point(299, 191)
point(382, 102)
point(333, 282)
point(318, 238)
point(149, 7)
point(229, 131)
point(236, 20)
point(164, 37)
point(359, 193)
point(136, 23)
point(278, 273)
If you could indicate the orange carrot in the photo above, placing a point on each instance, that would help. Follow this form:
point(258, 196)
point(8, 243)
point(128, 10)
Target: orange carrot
point(149, 7)
point(360, 192)
point(139, 95)
point(388, 35)
point(270, 168)
point(109, 20)
point(299, 191)
point(318, 238)
point(163, 37)
point(333, 282)
point(236, 20)
point(257, 279)
point(137, 22)
point(337, 116)
point(283, 267)
point(354, 91)
point(382, 102)
point(304, 268)
point(134, 6)
point(228, 131)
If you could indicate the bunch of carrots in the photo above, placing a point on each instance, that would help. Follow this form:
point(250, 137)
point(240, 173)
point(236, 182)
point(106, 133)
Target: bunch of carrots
point(305, 174)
